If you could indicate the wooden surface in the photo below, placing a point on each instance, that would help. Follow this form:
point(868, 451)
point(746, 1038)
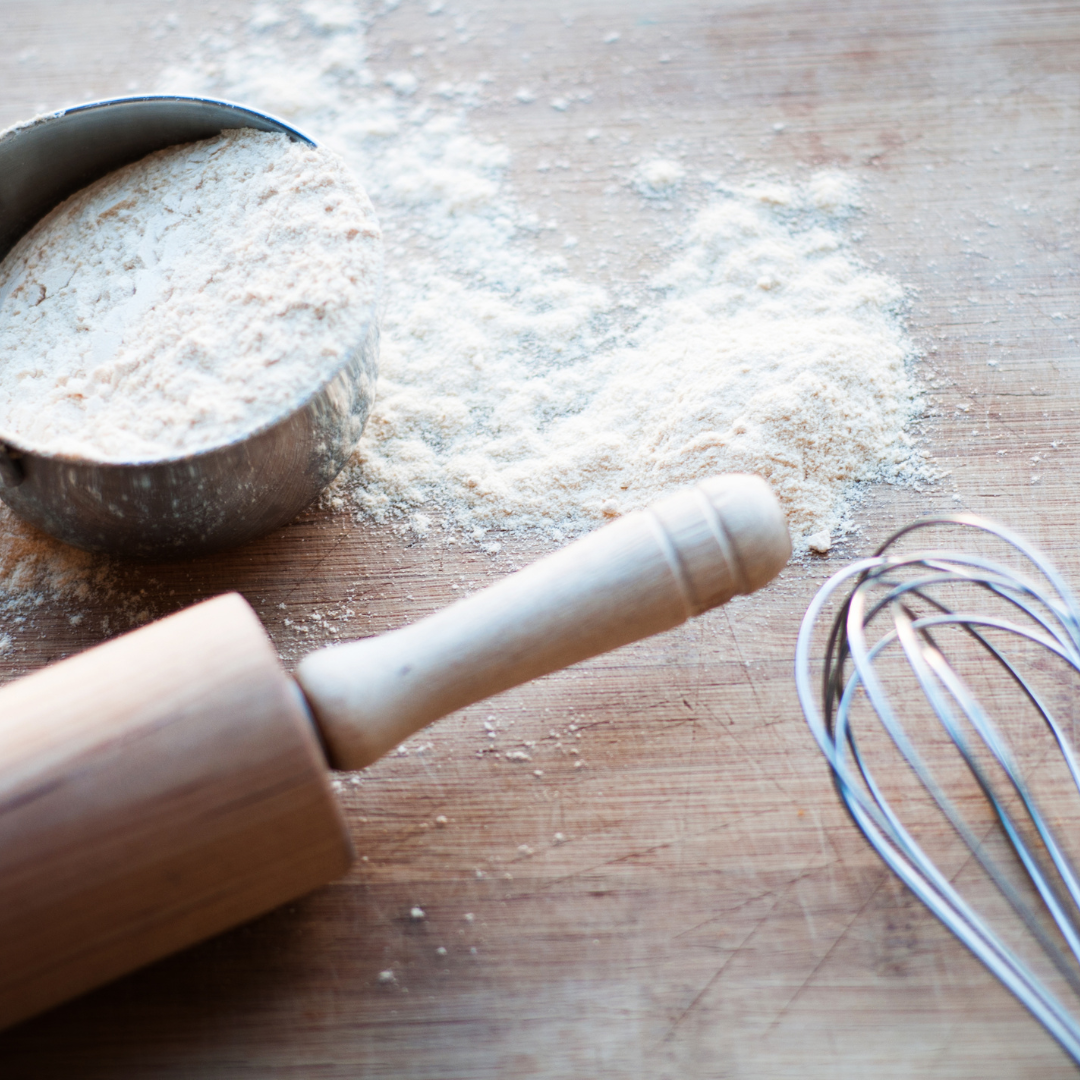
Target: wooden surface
point(711, 911)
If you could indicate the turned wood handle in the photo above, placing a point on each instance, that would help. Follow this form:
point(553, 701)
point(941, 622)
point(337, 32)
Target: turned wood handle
point(644, 573)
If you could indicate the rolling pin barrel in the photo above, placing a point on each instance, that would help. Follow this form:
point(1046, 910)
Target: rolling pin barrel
point(153, 791)
point(644, 573)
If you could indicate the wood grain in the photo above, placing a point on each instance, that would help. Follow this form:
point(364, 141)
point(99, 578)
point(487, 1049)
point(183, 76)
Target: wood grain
point(155, 790)
point(712, 912)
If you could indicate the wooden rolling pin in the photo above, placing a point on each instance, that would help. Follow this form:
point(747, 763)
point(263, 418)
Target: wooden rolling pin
point(164, 786)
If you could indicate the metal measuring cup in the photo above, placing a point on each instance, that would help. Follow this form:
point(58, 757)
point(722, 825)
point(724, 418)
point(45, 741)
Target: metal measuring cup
point(193, 503)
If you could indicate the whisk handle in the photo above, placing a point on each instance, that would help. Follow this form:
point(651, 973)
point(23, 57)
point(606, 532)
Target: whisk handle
point(640, 575)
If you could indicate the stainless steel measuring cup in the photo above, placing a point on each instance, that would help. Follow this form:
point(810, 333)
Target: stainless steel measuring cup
point(183, 505)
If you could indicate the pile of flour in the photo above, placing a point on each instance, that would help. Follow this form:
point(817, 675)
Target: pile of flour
point(514, 396)
point(768, 350)
point(186, 299)
point(34, 566)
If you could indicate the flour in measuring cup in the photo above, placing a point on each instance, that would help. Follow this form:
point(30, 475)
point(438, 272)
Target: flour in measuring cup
point(185, 300)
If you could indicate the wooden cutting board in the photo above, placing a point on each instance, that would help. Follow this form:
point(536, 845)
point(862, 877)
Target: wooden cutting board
point(691, 902)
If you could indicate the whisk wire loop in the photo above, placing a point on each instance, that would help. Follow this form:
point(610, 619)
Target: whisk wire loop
point(928, 659)
point(906, 858)
point(890, 588)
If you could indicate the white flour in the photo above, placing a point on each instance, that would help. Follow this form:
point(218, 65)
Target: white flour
point(514, 396)
point(35, 568)
point(185, 299)
point(769, 350)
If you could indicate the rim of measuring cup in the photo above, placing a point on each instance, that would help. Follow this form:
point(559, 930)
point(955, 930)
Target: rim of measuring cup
point(22, 447)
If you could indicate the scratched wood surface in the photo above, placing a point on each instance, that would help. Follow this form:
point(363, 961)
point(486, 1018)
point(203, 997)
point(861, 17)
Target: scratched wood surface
point(706, 909)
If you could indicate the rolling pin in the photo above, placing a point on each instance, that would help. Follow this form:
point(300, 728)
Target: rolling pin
point(164, 786)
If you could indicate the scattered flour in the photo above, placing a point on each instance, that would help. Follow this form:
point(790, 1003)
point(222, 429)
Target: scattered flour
point(186, 299)
point(34, 567)
point(658, 177)
point(769, 350)
point(515, 396)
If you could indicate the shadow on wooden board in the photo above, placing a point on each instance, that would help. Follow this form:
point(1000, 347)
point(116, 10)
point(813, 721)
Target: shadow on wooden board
point(185, 1008)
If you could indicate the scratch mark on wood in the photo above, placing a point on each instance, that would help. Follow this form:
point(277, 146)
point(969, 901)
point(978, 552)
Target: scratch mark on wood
point(825, 956)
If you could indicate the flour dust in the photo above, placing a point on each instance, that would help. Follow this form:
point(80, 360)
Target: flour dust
point(514, 396)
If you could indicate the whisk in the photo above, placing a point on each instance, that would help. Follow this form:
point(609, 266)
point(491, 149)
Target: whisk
point(1001, 777)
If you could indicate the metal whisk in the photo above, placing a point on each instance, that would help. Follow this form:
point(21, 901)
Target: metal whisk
point(958, 670)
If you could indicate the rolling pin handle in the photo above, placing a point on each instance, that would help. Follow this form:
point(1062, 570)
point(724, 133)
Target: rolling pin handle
point(643, 574)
